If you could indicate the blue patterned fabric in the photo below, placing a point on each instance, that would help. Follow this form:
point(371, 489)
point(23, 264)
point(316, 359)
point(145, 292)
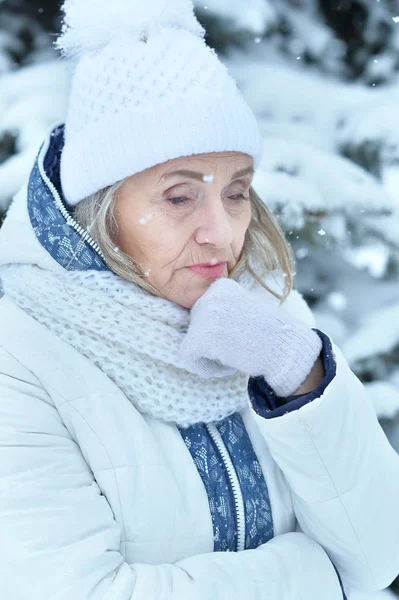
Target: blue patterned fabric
point(60, 240)
point(258, 514)
point(66, 246)
point(216, 481)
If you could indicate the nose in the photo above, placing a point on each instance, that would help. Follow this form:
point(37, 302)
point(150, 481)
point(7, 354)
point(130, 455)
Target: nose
point(213, 225)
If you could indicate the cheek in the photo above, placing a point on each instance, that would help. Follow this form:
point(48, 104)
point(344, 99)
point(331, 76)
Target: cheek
point(140, 232)
point(154, 245)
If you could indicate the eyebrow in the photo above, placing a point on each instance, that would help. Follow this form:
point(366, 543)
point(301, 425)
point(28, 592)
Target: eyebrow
point(200, 176)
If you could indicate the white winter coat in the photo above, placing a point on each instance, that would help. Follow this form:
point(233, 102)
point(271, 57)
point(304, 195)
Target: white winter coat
point(100, 502)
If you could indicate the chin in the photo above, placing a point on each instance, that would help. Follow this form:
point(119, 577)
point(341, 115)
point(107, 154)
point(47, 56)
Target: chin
point(194, 289)
point(190, 300)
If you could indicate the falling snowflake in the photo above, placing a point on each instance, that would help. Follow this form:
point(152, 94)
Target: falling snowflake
point(208, 178)
point(395, 19)
point(116, 249)
point(302, 253)
point(144, 219)
point(147, 273)
point(321, 232)
point(337, 301)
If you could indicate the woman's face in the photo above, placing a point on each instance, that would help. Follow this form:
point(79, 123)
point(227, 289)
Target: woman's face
point(183, 212)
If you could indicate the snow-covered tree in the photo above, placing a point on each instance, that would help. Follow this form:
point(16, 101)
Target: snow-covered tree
point(33, 86)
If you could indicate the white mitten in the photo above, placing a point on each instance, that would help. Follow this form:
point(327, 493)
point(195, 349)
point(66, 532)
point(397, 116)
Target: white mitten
point(228, 325)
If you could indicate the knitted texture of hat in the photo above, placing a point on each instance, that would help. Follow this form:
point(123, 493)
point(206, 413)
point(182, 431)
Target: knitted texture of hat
point(146, 89)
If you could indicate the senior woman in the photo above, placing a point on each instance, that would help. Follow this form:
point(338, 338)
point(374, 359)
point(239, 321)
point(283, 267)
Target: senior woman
point(171, 425)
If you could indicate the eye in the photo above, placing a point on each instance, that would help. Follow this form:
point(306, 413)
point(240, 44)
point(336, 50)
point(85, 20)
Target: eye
point(178, 200)
point(239, 197)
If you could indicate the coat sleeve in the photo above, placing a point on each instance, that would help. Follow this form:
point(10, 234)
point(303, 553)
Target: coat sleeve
point(343, 474)
point(59, 538)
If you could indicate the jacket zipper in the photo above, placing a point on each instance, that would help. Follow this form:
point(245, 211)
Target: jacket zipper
point(85, 235)
point(235, 484)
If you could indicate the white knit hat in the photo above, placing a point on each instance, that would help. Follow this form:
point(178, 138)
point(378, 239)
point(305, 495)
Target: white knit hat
point(146, 89)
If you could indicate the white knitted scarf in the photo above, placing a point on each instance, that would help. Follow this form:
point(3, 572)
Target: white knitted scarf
point(131, 336)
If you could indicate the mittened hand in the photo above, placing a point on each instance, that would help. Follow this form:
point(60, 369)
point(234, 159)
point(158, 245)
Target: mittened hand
point(230, 327)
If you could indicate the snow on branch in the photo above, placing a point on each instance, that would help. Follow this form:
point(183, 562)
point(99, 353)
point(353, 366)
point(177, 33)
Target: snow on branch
point(255, 16)
point(303, 181)
point(378, 334)
point(32, 99)
point(385, 398)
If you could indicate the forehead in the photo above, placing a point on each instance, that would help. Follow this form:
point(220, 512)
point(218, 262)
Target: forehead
point(214, 163)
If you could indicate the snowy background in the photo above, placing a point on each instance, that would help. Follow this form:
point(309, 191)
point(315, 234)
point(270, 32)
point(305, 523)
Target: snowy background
point(323, 79)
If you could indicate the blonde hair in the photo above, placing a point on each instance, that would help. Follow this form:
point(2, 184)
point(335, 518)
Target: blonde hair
point(264, 240)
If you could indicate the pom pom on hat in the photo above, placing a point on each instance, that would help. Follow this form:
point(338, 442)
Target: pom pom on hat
point(91, 24)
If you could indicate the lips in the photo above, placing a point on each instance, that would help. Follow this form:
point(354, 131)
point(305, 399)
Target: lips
point(209, 271)
point(210, 264)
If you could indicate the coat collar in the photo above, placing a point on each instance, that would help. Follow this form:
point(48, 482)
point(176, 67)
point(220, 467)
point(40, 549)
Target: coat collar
point(51, 218)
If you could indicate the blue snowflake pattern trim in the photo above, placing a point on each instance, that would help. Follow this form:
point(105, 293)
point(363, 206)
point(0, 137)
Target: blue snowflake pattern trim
point(215, 479)
point(60, 240)
point(258, 513)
